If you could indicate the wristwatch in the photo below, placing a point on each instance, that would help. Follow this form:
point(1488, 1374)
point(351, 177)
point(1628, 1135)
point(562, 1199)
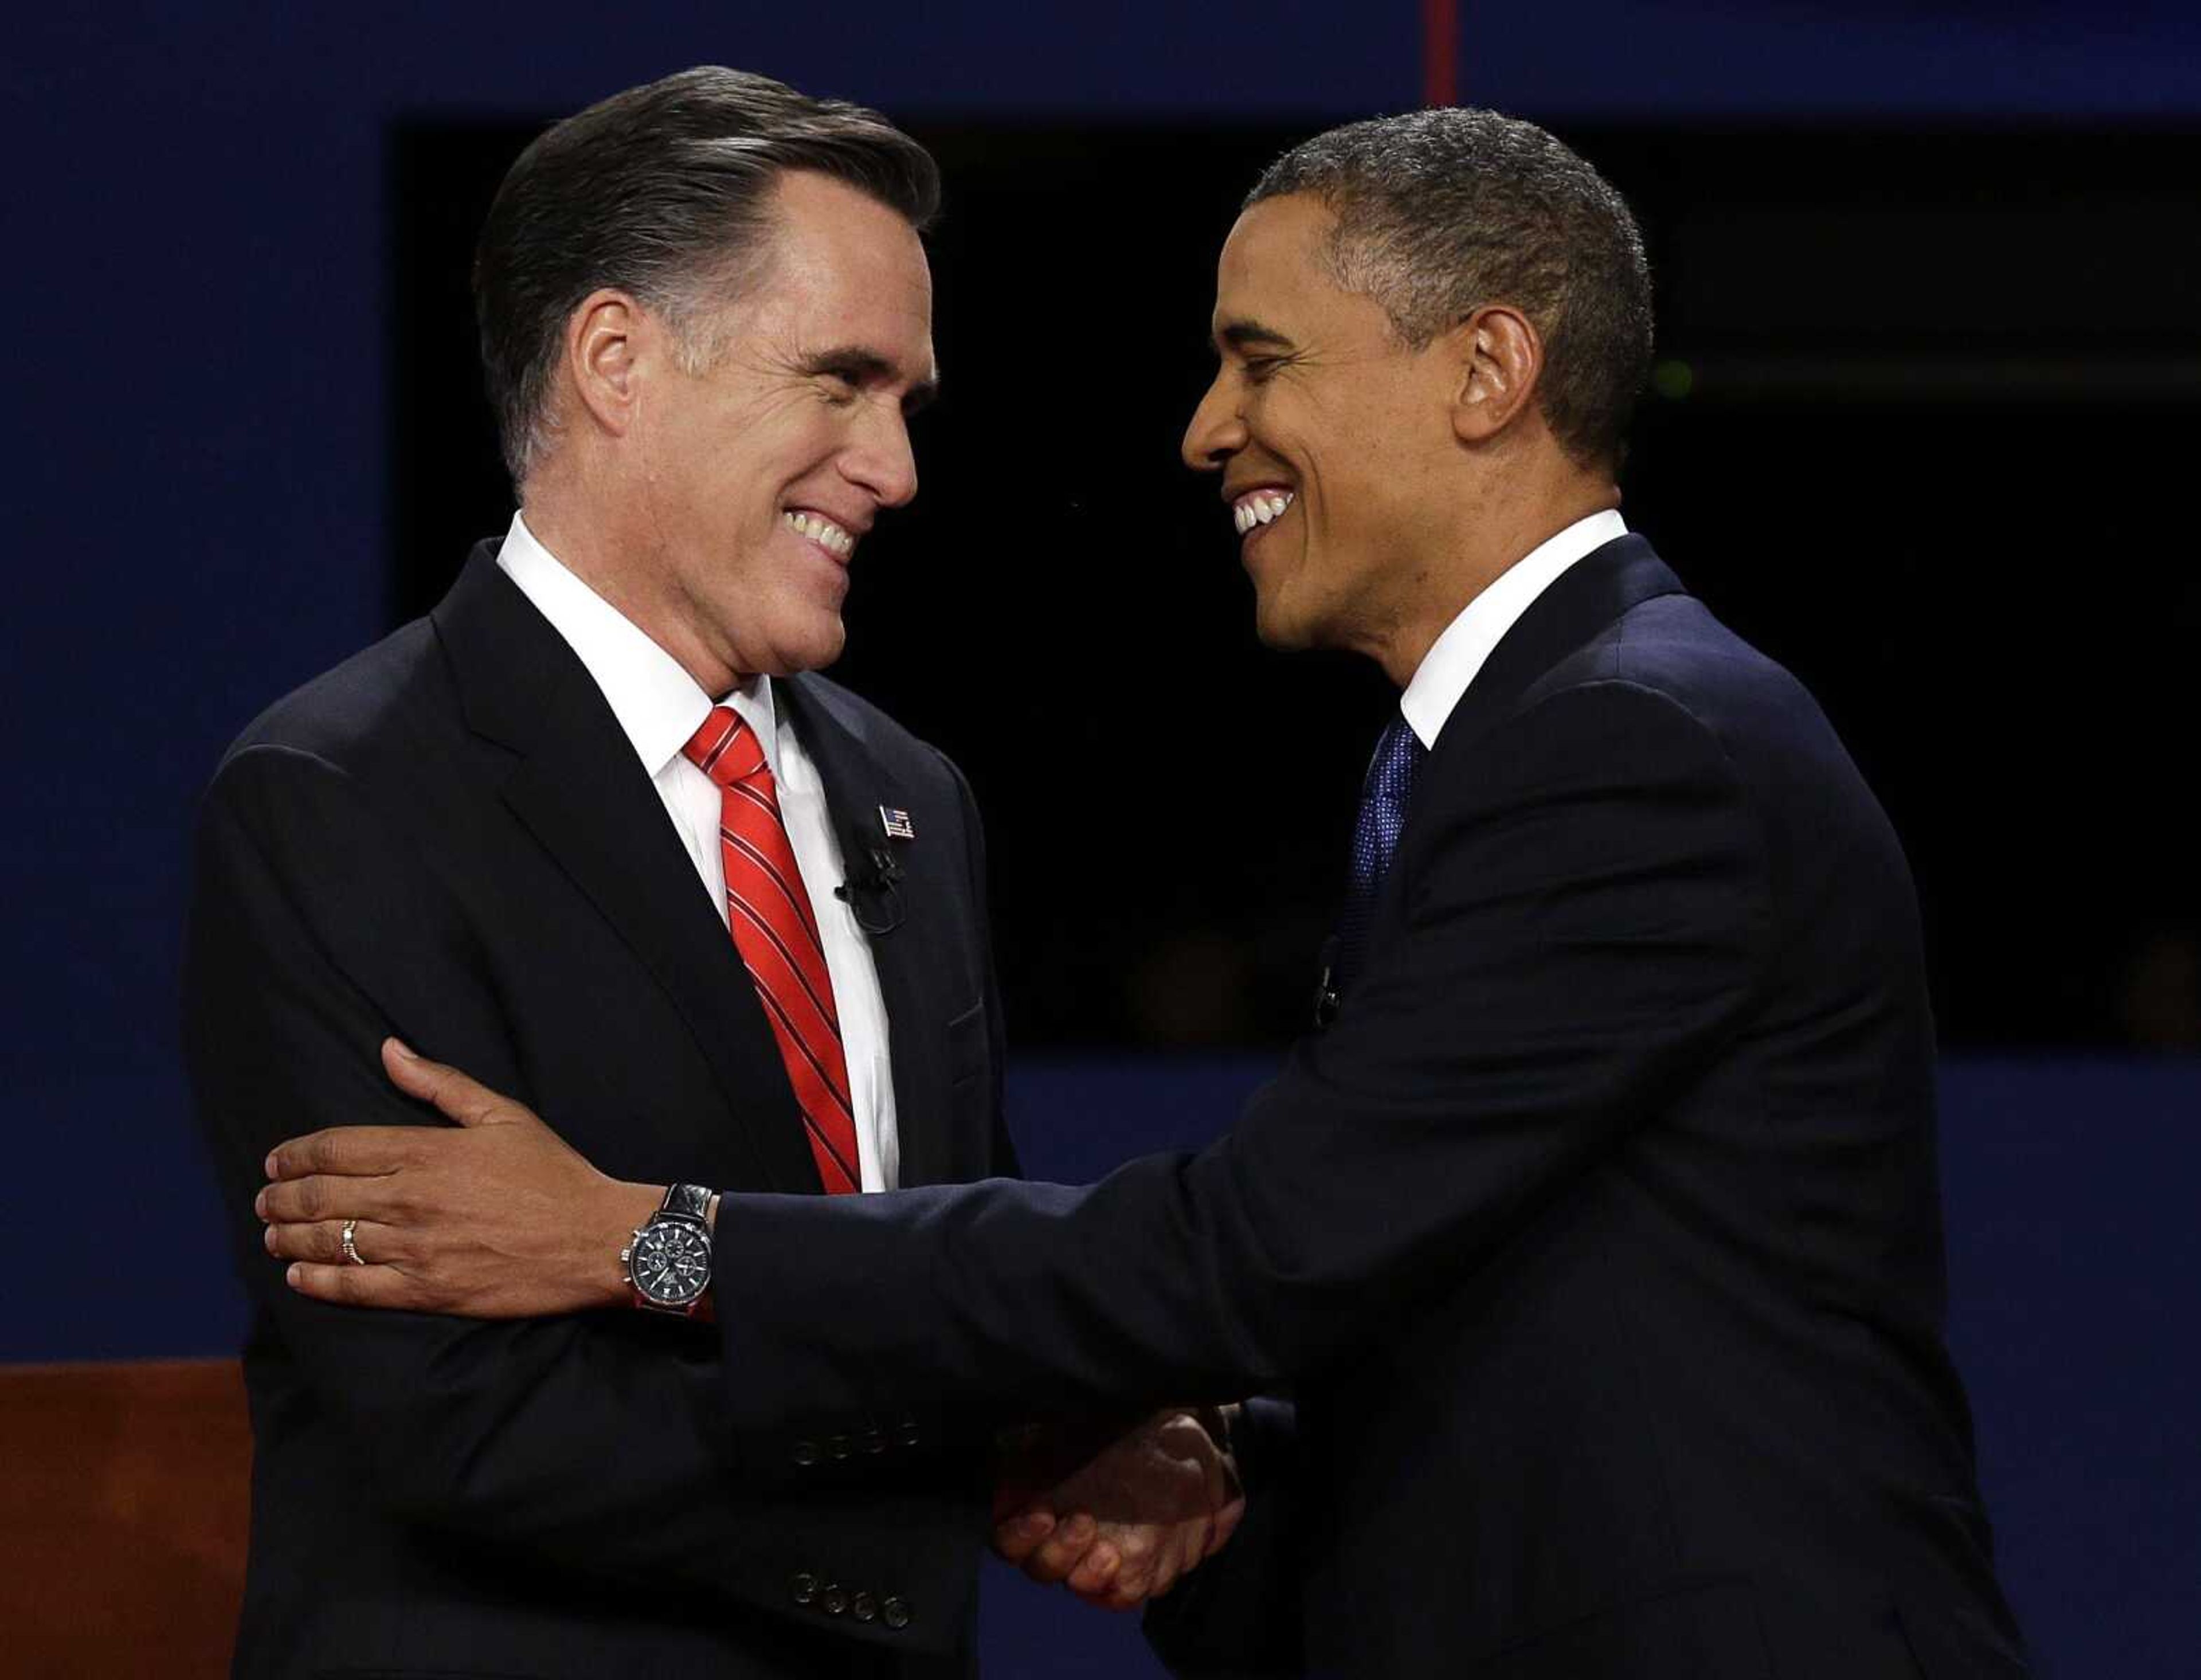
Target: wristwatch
point(668, 1264)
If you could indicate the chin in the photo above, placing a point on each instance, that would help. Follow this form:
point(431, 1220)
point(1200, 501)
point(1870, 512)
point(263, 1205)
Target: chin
point(1276, 626)
point(817, 647)
point(810, 643)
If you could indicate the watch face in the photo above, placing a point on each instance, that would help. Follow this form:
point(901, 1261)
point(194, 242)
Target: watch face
point(671, 1263)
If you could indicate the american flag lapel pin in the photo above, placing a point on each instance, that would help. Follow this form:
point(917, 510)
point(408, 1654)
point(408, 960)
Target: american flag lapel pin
point(896, 824)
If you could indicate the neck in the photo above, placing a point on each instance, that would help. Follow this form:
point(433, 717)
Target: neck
point(607, 560)
point(1499, 537)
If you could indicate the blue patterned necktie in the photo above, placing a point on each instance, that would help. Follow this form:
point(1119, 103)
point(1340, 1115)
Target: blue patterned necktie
point(1384, 798)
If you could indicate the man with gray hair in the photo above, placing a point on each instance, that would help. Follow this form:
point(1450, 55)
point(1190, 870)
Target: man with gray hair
point(596, 827)
point(1595, 1231)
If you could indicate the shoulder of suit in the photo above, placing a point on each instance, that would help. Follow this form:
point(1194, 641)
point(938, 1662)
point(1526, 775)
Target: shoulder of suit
point(374, 705)
point(1672, 645)
point(878, 731)
point(1672, 655)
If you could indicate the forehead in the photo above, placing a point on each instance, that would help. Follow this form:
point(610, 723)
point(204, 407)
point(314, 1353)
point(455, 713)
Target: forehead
point(845, 268)
point(1273, 265)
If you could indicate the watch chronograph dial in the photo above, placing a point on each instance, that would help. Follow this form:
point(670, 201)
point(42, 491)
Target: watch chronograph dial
point(671, 1263)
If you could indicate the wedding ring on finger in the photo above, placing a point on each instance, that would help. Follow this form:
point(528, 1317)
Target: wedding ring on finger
point(351, 1247)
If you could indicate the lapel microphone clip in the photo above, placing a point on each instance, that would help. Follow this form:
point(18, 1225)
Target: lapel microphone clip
point(873, 889)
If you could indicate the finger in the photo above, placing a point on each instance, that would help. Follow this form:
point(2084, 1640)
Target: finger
point(1101, 1568)
point(304, 1200)
point(351, 1285)
point(1054, 1559)
point(1178, 1559)
point(1149, 1589)
point(1130, 1589)
point(1020, 1538)
point(350, 1151)
point(322, 1242)
point(1149, 1563)
point(1233, 1484)
point(462, 1099)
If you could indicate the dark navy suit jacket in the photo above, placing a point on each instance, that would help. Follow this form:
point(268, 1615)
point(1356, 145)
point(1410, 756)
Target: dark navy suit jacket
point(1599, 1238)
point(449, 838)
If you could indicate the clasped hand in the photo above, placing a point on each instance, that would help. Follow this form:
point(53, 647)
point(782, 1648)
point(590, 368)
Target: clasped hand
point(500, 1217)
point(1118, 1518)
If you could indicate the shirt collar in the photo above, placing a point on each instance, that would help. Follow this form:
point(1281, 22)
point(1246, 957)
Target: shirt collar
point(658, 704)
point(1459, 652)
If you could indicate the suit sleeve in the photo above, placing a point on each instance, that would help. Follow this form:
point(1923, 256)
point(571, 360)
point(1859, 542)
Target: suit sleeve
point(1587, 918)
point(595, 1444)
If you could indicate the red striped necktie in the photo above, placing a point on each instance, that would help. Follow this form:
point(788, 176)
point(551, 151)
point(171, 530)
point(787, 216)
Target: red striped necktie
point(776, 932)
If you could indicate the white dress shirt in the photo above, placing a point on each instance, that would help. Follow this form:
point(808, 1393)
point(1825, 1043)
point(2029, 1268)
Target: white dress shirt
point(1456, 656)
point(659, 708)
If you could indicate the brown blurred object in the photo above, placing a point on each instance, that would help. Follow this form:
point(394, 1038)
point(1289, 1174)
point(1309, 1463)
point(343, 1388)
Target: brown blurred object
point(1191, 991)
point(125, 1495)
point(2159, 1003)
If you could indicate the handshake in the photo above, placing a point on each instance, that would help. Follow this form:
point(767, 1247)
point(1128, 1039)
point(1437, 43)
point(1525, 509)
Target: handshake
point(500, 1217)
point(1118, 1518)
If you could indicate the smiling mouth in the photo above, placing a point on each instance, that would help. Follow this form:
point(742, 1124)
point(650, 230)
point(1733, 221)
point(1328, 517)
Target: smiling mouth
point(828, 536)
point(1263, 504)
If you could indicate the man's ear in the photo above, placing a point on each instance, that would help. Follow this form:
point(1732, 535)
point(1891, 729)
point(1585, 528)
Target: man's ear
point(604, 339)
point(1498, 360)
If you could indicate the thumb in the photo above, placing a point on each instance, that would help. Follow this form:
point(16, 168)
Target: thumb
point(462, 1099)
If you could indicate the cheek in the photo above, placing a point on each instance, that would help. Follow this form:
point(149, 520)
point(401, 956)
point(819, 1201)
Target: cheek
point(807, 439)
point(1358, 488)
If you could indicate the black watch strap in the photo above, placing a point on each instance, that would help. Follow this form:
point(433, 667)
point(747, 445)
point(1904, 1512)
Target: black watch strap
point(689, 1202)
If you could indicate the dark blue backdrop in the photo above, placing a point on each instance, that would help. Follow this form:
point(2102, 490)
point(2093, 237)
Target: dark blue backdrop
point(195, 215)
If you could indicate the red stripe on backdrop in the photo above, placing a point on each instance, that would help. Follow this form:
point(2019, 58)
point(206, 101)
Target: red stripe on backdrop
point(1439, 52)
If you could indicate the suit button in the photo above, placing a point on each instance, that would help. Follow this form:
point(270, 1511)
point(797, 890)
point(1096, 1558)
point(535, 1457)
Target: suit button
point(804, 1586)
point(838, 1446)
point(834, 1601)
point(864, 1607)
point(895, 1612)
point(806, 1453)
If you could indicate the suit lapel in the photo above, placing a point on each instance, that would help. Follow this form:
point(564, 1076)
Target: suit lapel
point(857, 779)
point(1593, 593)
point(1585, 599)
point(579, 790)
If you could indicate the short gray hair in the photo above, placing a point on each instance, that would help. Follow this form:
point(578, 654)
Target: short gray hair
point(1442, 212)
point(664, 192)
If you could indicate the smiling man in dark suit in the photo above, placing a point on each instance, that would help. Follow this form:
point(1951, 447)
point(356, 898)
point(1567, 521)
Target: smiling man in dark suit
point(1596, 1234)
point(596, 828)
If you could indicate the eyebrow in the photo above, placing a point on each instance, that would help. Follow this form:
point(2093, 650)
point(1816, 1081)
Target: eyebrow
point(1242, 335)
point(861, 366)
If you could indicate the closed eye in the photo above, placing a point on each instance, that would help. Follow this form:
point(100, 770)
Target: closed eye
point(847, 373)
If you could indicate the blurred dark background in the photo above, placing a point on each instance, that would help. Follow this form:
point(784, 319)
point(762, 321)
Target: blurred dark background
point(1923, 397)
point(1929, 389)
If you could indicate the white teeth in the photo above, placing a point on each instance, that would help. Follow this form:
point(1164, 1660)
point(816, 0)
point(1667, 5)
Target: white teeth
point(822, 531)
point(1260, 507)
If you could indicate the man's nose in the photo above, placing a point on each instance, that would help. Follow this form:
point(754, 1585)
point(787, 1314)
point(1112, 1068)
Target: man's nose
point(882, 461)
point(1216, 431)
